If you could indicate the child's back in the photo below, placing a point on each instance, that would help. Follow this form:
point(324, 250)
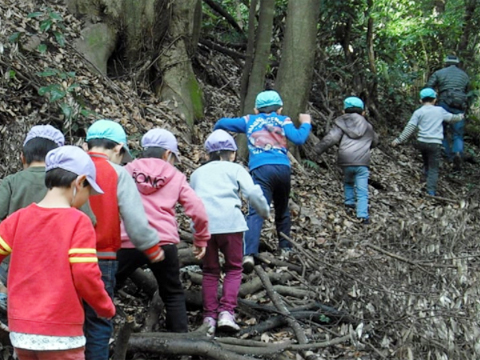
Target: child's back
point(219, 184)
point(429, 121)
point(161, 187)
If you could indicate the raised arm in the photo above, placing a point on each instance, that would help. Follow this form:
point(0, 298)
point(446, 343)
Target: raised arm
point(300, 135)
point(238, 125)
point(332, 138)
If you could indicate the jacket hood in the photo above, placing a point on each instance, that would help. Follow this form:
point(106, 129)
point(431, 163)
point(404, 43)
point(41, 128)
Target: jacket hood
point(354, 125)
point(151, 174)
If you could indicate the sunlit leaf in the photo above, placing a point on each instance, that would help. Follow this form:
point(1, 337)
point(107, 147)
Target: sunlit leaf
point(34, 14)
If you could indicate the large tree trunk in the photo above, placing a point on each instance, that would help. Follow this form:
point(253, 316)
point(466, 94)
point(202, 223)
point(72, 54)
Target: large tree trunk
point(159, 35)
point(256, 75)
point(178, 82)
point(298, 54)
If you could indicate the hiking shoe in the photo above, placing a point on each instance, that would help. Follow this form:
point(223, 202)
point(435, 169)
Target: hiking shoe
point(212, 324)
point(457, 162)
point(248, 264)
point(226, 322)
point(364, 221)
point(285, 253)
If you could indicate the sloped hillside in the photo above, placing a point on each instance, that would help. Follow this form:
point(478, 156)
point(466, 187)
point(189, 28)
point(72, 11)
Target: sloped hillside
point(407, 285)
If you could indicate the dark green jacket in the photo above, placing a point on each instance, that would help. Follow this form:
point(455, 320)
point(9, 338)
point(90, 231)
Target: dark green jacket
point(450, 77)
point(24, 188)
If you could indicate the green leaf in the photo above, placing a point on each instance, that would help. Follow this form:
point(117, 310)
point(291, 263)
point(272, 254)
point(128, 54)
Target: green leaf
point(60, 38)
point(55, 16)
point(47, 72)
point(43, 90)
point(57, 93)
point(71, 74)
point(15, 37)
point(45, 25)
point(73, 86)
point(42, 48)
point(87, 112)
point(66, 110)
point(34, 14)
point(11, 74)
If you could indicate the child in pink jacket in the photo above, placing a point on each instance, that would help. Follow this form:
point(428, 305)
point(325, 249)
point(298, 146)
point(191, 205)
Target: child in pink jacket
point(161, 186)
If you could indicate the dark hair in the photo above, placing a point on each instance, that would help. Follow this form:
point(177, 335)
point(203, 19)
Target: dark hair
point(428, 99)
point(104, 143)
point(220, 155)
point(36, 149)
point(60, 178)
point(354, 110)
point(269, 109)
point(153, 152)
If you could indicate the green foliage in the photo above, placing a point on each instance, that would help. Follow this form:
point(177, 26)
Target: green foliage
point(50, 22)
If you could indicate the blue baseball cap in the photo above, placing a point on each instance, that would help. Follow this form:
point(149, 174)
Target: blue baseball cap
point(75, 160)
point(110, 130)
point(46, 132)
point(268, 98)
point(428, 92)
point(220, 140)
point(353, 102)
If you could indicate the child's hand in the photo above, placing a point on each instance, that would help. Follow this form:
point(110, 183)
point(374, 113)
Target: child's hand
point(305, 118)
point(394, 143)
point(199, 252)
point(159, 257)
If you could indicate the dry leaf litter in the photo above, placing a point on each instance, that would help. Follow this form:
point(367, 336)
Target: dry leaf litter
point(408, 282)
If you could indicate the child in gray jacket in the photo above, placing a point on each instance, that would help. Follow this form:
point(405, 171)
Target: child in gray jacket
point(429, 121)
point(219, 183)
point(356, 136)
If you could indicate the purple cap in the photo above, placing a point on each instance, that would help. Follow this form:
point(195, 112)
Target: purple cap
point(73, 159)
point(220, 140)
point(161, 138)
point(46, 132)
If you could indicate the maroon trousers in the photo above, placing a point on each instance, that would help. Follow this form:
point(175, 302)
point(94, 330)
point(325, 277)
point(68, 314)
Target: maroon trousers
point(231, 246)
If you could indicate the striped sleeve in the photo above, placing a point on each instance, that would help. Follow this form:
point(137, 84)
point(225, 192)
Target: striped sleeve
point(82, 255)
point(5, 249)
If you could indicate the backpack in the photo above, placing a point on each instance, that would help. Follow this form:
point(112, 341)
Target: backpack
point(456, 98)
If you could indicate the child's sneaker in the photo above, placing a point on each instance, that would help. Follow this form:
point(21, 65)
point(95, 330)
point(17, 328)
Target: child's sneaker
point(212, 324)
point(226, 322)
point(285, 253)
point(248, 264)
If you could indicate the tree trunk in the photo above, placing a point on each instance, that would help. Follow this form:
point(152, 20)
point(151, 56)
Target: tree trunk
point(163, 33)
point(256, 78)
point(298, 54)
point(178, 82)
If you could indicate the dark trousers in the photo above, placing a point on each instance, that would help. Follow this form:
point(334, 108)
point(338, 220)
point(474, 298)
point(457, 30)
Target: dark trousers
point(275, 183)
point(431, 154)
point(167, 273)
point(98, 330)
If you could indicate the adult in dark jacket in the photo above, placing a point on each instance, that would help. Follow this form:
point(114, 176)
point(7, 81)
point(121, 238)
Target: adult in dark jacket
point(452, 85)
point(356, 136)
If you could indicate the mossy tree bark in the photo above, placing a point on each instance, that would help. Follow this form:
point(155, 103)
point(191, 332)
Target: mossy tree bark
point(160, 35)
point(294, 78)
point(178, 82)
point(256, 77)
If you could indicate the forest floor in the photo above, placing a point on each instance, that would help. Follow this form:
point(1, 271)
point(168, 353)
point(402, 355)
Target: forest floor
point(406, 286)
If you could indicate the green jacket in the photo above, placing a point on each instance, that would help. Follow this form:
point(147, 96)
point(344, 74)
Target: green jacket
point(24, 188)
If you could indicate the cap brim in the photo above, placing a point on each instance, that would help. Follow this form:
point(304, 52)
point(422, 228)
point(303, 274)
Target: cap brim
point(127, 157)
point(96, 190)
point(177, 156)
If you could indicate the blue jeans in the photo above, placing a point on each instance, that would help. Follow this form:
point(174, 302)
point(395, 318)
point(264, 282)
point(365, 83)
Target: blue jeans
point(275, 183)
point(98, 331)
point(356, 188)
point(455, 131)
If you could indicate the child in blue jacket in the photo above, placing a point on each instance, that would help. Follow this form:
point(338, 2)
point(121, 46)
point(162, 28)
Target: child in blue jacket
point(267, 134)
